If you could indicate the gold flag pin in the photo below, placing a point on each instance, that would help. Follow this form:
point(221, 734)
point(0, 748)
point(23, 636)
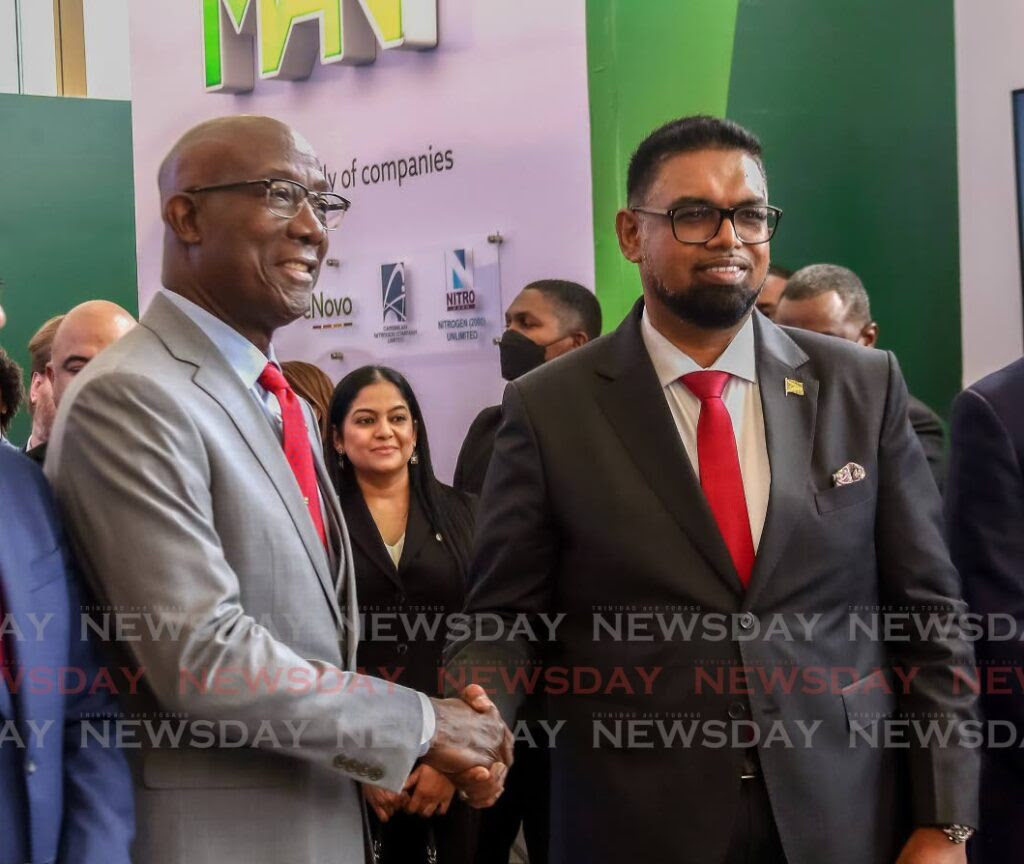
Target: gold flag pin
point(794, 387)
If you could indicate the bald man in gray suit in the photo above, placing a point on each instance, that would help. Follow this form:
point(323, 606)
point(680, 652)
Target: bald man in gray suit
point(197, 498)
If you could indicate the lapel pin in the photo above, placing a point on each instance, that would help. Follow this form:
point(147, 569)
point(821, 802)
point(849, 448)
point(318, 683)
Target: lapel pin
point(796, 388)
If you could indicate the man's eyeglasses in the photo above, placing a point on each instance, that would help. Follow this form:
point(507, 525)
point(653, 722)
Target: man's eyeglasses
point(699, 223)
point(285, 199)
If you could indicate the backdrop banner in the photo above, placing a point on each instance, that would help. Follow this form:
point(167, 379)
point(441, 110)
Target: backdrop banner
point(459, 130)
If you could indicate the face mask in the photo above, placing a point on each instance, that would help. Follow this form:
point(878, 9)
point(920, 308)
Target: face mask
point(519, 354)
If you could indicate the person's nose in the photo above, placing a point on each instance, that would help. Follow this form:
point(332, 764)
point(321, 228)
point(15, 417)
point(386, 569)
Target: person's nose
point(725, 237)
point(306, 225)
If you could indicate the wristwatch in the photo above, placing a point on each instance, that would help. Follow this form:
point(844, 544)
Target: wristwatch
point(957, 833)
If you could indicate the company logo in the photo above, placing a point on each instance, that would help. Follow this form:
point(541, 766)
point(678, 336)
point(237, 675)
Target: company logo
point(333, 313)
point(290, 33)
point(393, 293)
point(458, 268)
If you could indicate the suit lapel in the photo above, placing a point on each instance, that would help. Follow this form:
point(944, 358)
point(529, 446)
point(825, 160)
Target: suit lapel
point(789, 430)
point(365, 534)
point(417, 530)
point(215, 376)
point(634, 403)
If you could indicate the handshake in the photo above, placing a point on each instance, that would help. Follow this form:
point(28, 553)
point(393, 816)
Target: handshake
point(470, 752)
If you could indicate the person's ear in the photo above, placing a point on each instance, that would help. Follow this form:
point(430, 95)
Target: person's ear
point(337, 439)
point(180, 215)
point(627, 229)
point(579, 338)
point(869, 335)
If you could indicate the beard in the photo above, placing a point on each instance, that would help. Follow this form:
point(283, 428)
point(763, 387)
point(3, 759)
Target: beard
point(710, 307)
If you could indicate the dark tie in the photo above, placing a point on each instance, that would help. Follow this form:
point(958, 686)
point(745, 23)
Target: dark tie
point(720, 468)
point(297, 449)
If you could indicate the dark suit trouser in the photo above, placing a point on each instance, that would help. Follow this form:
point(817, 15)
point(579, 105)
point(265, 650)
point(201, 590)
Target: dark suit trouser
point(755, 837)
point(526, 800)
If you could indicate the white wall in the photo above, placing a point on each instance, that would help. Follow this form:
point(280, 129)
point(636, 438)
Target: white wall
point(38, 51)
point(107, 64)
point(38, 57)
point(989, 66)
point(8, 47)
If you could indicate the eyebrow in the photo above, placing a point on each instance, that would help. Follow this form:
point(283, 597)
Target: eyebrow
point(688, 201)
point(74, 358)
point(400, 407)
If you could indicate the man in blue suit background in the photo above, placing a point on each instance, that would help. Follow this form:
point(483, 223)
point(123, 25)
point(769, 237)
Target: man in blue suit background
point(60, 801)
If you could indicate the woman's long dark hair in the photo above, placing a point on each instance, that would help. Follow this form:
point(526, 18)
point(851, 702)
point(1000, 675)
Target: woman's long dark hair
point(453, 523)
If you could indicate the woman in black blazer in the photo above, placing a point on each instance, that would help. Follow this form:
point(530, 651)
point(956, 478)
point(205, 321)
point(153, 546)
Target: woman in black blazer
point(411, 539)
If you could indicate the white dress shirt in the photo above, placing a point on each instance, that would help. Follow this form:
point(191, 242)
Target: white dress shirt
point(248, 362)
point(742, 399)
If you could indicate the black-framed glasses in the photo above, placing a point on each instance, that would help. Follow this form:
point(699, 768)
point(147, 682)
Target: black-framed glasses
point(699, 223)
point(285, 199)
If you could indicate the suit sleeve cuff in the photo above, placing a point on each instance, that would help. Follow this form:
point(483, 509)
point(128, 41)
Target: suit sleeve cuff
point(429, 723)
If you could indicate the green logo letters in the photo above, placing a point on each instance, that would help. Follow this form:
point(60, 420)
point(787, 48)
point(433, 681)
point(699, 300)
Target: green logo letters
point(289, 33)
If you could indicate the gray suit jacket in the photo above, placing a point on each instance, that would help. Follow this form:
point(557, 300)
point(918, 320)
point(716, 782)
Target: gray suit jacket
point(191, 530)
point(591, 508)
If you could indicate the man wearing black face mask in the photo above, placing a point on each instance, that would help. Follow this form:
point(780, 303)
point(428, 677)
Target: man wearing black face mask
point(549, 318)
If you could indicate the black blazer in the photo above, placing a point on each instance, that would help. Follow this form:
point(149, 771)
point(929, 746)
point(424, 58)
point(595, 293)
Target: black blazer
point(404, 610)
point(985, 518)
point(591, 508)
point(928, 428)
point(475, 454)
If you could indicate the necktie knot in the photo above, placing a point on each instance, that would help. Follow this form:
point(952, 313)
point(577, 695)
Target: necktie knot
point(708, 384)
point(272, 380)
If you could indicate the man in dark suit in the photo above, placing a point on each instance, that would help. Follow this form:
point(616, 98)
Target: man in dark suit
point(723, 511)
point(985, 518)
point(547, 319)
point(830, 299)
point(62, 798)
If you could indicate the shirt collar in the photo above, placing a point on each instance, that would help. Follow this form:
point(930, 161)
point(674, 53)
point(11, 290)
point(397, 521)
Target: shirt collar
point(670, 364)
point(245, 358)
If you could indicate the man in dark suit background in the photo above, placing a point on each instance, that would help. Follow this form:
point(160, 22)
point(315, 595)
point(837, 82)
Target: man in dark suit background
point(985, 518)
point(619, 497)
point(830, 299)
point(547, 319)
point(62, 798)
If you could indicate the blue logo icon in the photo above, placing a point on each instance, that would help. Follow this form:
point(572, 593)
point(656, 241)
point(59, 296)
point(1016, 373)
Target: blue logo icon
point(459, 292)
point(393, 293)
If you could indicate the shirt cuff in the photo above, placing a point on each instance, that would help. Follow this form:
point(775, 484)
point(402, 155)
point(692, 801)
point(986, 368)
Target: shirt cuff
point(429, 723)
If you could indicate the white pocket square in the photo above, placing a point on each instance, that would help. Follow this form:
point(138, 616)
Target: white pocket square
point(851, 472)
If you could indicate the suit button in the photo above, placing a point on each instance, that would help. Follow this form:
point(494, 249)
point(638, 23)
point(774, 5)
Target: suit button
point(30, 767)
point(401, 648)
point(438, 537)
point(737, 710)
point(746, 620)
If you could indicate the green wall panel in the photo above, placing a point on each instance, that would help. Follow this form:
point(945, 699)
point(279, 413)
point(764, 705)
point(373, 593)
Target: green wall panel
point(855, 105)
point(67, 218)
point(648, 62)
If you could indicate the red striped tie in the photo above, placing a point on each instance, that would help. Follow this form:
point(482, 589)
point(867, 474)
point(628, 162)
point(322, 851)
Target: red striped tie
point(720, 468)
point(297, 449)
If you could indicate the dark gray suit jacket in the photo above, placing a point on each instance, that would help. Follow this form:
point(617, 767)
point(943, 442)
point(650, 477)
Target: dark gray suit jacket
point(985, 513)
point(591, 509)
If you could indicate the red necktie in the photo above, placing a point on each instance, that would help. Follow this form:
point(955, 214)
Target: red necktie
point(297, 449)
point(720, 468)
